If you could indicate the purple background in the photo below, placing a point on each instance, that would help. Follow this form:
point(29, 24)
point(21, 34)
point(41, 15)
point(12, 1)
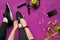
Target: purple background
point(38, 18)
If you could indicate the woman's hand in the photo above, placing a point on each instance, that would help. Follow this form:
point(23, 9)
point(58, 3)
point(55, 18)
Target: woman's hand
point(23, 22)
point(15, 24)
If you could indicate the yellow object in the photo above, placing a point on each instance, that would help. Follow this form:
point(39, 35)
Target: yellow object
point(56, 28)
point(34, 2)
point(51, 36)
point(54, 22)
point(49, 29)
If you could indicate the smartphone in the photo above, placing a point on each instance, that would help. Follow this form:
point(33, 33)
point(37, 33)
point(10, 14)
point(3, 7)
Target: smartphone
point(52, 13)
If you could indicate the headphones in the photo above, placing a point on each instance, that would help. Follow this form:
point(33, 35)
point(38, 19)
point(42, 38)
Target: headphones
point(27, 3)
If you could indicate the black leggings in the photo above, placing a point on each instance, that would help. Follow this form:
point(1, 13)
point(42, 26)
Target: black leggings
point(3, 30)
point(22, 34)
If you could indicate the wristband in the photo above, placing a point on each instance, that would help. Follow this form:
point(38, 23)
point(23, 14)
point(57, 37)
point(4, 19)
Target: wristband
point(25, 27)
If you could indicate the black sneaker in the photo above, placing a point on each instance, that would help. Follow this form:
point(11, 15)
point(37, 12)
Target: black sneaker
point(18, 16)
point(8, 14)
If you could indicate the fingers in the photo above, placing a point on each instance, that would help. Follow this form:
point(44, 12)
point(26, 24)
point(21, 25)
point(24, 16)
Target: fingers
point(23, 22)
point(15, 24)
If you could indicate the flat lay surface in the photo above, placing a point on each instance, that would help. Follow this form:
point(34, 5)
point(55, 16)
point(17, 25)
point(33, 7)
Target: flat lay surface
point(38, 18)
